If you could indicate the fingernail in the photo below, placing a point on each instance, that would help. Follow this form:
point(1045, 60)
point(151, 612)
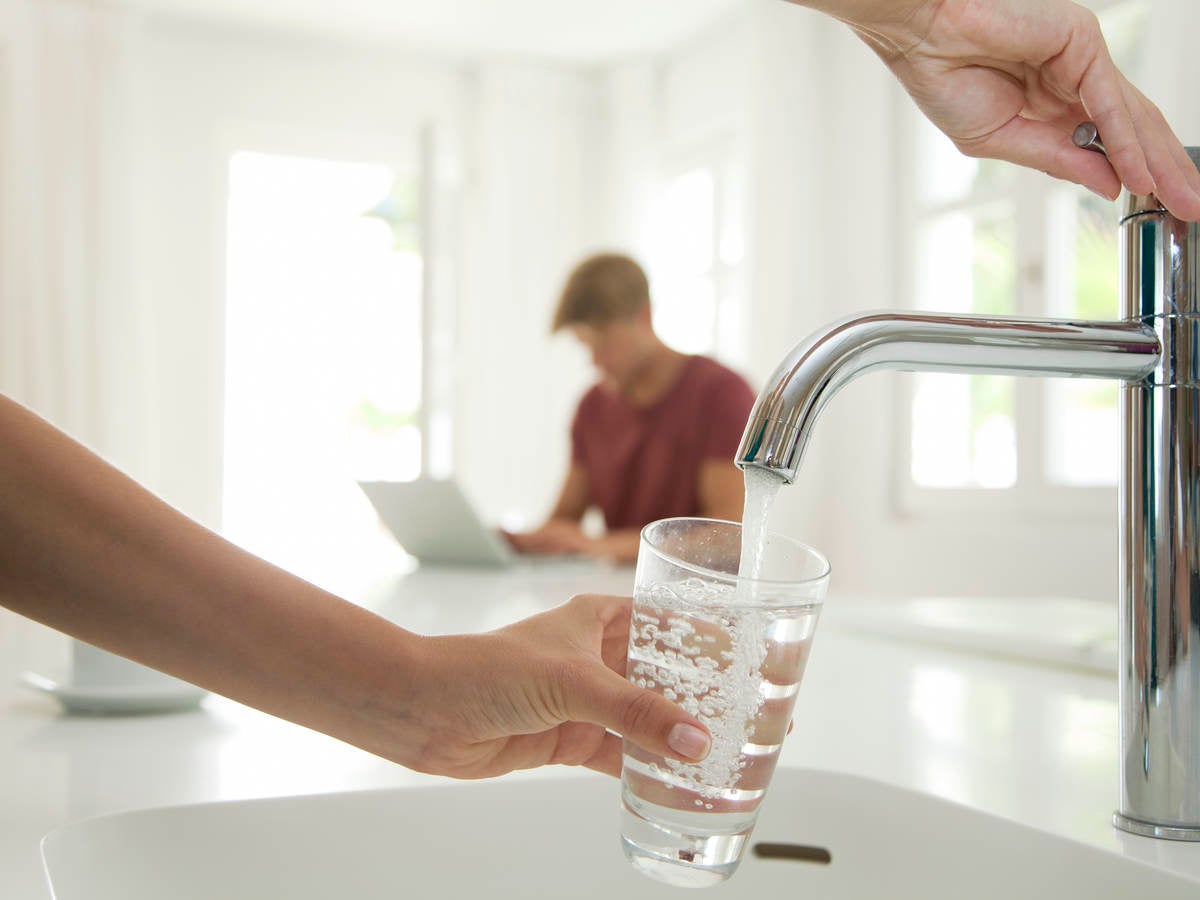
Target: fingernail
point(689, 741)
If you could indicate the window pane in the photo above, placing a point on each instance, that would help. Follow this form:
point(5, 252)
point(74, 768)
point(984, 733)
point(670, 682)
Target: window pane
point(968, 262)
point(963, 432)
point(1082, 430)
point(945, 175)
point(1082, 427)
point(963, 427)
point(1124, 27)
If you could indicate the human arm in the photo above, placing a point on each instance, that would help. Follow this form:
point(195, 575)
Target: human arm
point(563, 533)
point(721, 490)
point(1010, 79)
point(91, 553)
point(619, 545)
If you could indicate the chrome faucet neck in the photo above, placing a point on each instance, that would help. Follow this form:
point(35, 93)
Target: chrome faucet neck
point(783, 418)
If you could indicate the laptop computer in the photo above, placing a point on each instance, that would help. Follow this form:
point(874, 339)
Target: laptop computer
point(433, 521)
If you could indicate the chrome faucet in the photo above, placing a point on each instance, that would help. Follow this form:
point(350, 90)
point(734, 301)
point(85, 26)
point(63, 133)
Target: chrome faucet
point(1154, 350)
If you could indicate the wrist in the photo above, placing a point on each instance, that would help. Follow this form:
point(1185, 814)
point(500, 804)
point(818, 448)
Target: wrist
point(890, 27)
point(398, 701)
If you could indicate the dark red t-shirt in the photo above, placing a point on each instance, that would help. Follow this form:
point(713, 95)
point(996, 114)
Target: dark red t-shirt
point(643, 463)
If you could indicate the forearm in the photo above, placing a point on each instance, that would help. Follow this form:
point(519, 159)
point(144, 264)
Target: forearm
point(891, 15)
point(89, 552)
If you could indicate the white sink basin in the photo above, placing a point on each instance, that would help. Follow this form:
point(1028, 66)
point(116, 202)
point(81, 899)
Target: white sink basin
point(558, 838)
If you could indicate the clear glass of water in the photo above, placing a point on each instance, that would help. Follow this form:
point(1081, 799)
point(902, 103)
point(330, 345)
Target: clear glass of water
point(731, 650)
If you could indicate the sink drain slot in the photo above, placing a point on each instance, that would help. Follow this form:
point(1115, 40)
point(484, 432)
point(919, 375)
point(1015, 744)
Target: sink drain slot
point(797, 852)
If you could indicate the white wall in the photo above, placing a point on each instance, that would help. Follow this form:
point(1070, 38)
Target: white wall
point(64, 234)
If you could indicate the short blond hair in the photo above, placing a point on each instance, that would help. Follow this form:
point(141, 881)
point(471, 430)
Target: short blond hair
point(601, 289)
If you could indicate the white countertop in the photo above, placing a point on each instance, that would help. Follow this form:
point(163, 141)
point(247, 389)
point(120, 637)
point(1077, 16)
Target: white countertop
point(1028, 741)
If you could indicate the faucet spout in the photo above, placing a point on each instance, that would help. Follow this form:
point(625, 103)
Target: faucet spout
point(783, 417)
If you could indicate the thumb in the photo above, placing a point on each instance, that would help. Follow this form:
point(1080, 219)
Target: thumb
point(648, 719)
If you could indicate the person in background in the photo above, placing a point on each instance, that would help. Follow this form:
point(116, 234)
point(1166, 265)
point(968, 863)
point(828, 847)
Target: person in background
point(85, 550)
point(655, 437)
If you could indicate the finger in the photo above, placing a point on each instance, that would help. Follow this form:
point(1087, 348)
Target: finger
point(607, 759)
point(1158, 122)
point(1102, 93)
point(614, 643)
point(1040, 145)
point(1174, 172)
point(651, 721)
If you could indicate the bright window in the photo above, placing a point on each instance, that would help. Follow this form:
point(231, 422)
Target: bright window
point(696, 260)
point(323, 359)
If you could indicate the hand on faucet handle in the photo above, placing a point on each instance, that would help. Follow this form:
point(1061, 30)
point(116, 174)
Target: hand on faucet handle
point(1010, 79)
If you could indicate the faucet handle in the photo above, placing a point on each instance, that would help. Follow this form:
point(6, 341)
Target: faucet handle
point(1087, 136)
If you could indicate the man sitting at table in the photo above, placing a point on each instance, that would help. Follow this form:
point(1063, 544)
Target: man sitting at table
point(655, 437)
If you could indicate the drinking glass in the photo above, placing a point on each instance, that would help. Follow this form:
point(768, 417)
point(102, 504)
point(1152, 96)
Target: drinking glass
point(731, 650)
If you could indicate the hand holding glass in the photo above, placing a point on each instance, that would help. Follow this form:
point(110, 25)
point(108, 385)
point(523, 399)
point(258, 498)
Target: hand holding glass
point(731, 650)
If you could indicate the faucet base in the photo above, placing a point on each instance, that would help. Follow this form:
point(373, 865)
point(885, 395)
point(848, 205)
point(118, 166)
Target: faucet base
point(1151, 829)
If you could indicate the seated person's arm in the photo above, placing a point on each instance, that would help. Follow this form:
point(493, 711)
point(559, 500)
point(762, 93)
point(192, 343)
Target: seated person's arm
point(722, 490)
point(561, 533)
point(620, 546)
point(722, 494)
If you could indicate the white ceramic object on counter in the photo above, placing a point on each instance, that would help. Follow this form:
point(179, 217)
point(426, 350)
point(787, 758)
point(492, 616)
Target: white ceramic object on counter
point(102, 683)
